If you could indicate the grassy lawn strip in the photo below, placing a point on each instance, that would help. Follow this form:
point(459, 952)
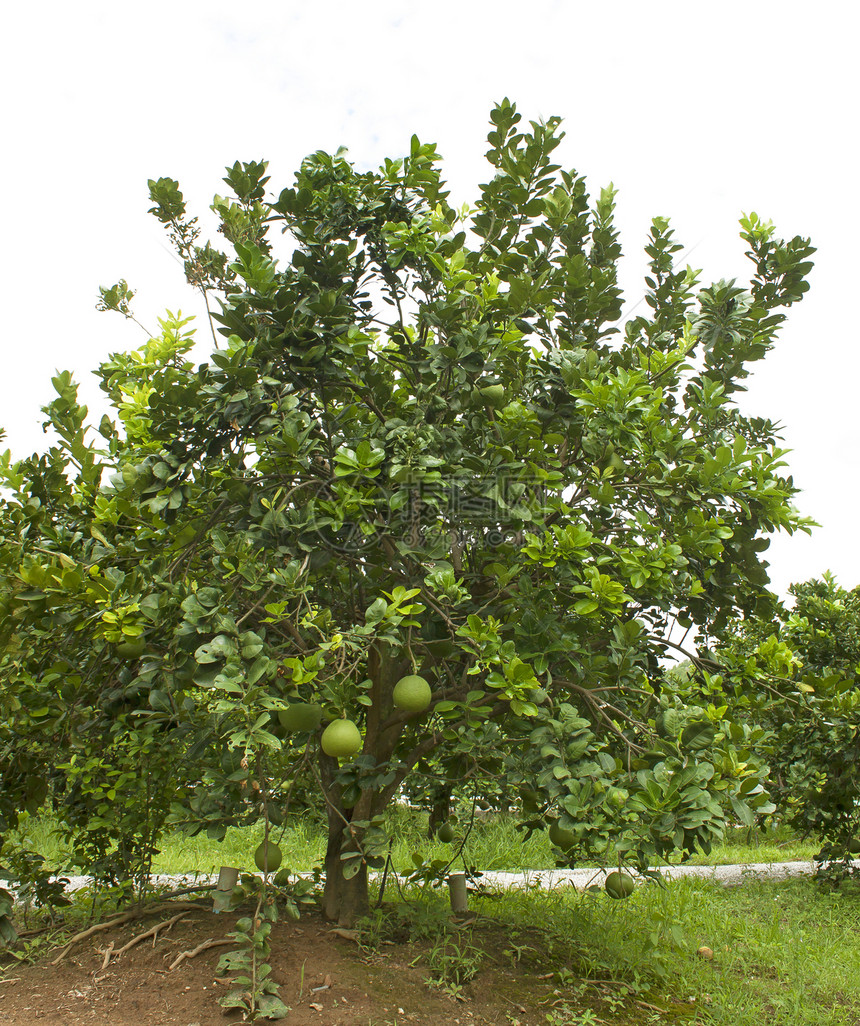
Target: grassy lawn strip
point(494, 844)
point(785, 954)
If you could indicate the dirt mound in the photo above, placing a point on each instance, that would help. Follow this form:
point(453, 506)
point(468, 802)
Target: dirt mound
point(326, 978)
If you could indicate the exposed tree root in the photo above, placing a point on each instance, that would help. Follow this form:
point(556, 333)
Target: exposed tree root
point(126, 917)
point(153, 932)
point(194, 952)
point(108, 951)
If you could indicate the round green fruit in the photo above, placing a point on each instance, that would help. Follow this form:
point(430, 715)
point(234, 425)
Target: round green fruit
point(494, 395)
point(412, 694)
point(268, 857)
point(340, 739)
point(617, 797)
point(562, 838)
point(300, 716)
point(445, 833)
point(854, 846)
point(619, 885)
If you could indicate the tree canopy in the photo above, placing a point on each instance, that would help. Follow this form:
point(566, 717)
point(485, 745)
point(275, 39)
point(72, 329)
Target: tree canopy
point(796, 673)
point(428, 444)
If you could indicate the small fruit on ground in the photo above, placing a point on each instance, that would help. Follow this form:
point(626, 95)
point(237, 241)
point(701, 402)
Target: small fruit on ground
point(300, 716)
point(268, 857)
point(705, 952)
point(445, 833)
point(412, 694)
point(619, 885)
point(340, 739)
point(561, 837)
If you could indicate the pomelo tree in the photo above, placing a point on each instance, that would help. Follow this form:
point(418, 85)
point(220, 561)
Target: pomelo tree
point(426, 444)
point(797, 673)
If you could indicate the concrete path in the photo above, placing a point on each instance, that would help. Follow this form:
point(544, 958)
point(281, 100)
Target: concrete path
point(726, 876)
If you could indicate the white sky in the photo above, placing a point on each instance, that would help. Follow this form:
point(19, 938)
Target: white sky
point(697, 111)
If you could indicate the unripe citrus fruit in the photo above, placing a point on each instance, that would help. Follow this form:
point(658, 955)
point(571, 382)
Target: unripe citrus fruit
point(340, 739)
point(494, 395)
point(445, 833)
point(562, 838)
point(412, 694)
point(854, 846)
point(619, 885)
point(300, 716)
point(267, 857)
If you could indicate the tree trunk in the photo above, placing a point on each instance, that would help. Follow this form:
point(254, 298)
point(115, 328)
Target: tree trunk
point(440, 810)
point(345, 900)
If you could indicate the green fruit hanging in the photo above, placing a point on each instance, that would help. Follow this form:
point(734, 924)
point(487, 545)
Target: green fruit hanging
point(561, 837)
point(445, 833)
point(300, 716)
point(341, 739)
point(412, 694)
point(268, 857)
point(619, 885)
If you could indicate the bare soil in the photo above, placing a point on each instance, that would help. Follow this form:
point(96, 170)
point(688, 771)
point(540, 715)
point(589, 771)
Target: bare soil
point(325, 978)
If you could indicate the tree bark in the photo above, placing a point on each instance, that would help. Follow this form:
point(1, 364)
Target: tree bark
point(440, 810)
point(346, 900)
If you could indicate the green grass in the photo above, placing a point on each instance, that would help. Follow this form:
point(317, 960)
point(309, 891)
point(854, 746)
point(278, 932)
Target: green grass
point(494, 844)
point(785, 954)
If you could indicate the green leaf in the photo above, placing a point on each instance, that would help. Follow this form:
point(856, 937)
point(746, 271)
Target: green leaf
point(698, 736)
